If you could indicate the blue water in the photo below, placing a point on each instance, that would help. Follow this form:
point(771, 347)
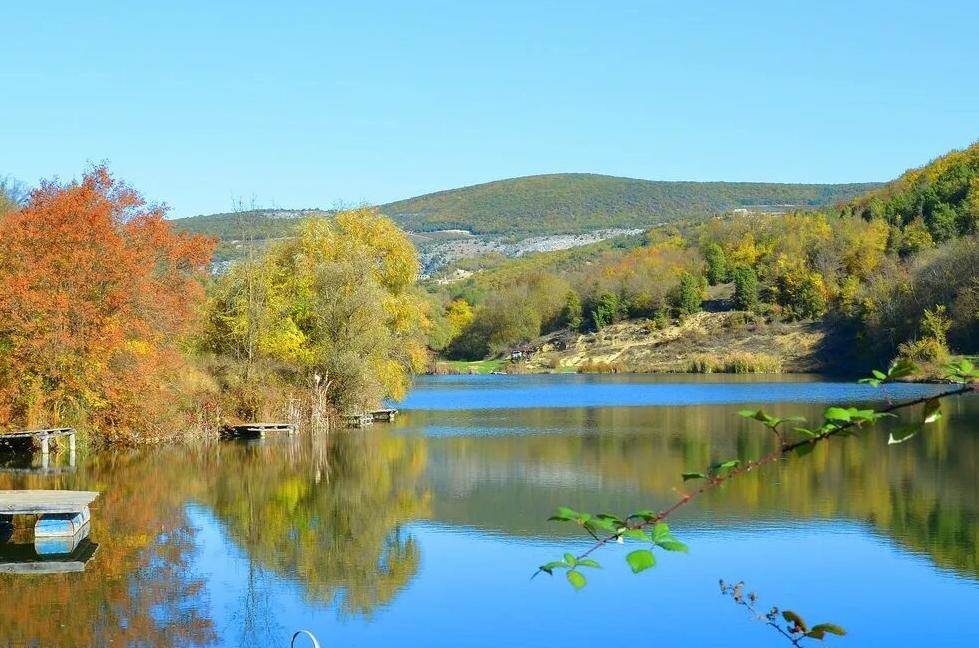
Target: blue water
point(425, 532)
point(576, 390)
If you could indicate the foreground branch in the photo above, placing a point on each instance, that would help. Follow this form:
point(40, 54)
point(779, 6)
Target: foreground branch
point(650, 526)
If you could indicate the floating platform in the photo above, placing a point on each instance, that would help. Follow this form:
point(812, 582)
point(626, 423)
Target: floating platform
point(61, 514)
point(256, 430)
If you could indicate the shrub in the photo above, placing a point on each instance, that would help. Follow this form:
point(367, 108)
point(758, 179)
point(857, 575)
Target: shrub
point(735, 362)
point(599, 367)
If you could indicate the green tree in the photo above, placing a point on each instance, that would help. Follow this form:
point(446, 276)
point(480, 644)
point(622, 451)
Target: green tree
point(745, 289)
point(604, 310)
point(686, 297)
point(915, 237)
point(571, 313)
point(943, 222)
point(798, 289)
point(717, 272)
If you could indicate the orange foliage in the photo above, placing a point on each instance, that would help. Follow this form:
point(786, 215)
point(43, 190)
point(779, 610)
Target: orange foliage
point(97, 291)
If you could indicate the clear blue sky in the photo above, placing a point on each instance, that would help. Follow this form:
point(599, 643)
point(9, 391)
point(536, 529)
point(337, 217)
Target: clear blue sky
point(301, 104)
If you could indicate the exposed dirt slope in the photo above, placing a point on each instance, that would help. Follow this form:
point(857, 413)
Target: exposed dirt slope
point(706, 337)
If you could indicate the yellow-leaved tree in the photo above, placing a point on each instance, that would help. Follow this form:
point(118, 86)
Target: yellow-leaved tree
point(333, 310)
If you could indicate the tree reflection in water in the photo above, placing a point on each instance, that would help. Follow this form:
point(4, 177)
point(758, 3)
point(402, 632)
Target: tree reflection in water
point(328, 517)
point(138, 589)
point(326, 513)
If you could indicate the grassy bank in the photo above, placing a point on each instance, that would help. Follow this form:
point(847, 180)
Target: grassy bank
point(444, 367)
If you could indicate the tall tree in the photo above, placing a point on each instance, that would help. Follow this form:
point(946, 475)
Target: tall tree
point(338, 311)
point(98, 291)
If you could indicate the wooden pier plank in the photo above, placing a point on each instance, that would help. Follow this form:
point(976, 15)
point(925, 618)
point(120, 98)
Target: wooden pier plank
point(257, 429)
point(39, 502)
point(48, 432)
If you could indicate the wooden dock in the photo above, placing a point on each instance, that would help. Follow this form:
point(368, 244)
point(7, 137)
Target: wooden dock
point(358, 420)
point(364, 419)
point(384, 414)
point(31, 439)
point(60, 514)
point(41, 502)
point(257, 430)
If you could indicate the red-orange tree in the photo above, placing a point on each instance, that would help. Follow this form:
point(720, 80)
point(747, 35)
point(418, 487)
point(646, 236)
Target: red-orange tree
point(96, 291)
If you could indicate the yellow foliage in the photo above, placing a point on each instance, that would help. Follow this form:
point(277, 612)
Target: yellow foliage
point(459, 315)
point(334, 305)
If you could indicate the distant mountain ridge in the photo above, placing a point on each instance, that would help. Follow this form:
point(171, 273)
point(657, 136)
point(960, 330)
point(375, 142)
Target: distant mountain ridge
point(544, 205)
point(566, 203)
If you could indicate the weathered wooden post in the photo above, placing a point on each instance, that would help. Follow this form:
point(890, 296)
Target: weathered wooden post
point(71, 449)
point(45, 452)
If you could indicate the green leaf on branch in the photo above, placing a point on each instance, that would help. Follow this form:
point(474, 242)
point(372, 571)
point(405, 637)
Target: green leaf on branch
point(963, 371)
point(636, 534)
point(672, 544)
point(603, 524)
point(933, 411)
point(640, 560)
point(564, 514)
point(837, 414)
point(693, 475)
point(819, 631)
point(792, 617)
point(663, 538)
point(715, 469)
point(768, 420)
point(588, 562)
point(576, 578)
point(876, 378)
point(901, 369)
point(551, 566)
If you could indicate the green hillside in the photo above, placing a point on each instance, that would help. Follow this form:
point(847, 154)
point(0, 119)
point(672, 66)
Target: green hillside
point(232, 229)
point(579, 202)
point(933, 203)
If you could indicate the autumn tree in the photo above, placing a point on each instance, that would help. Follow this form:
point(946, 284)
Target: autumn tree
point(332, 310)
point(98, 292)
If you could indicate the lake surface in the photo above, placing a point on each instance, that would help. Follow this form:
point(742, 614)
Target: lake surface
point(425, 532)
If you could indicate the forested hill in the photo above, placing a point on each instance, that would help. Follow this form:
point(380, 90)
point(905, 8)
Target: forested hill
point(579, 202)
point(933, 203)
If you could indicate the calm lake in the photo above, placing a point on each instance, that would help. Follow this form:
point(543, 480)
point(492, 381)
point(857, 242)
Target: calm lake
point(425, 532)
